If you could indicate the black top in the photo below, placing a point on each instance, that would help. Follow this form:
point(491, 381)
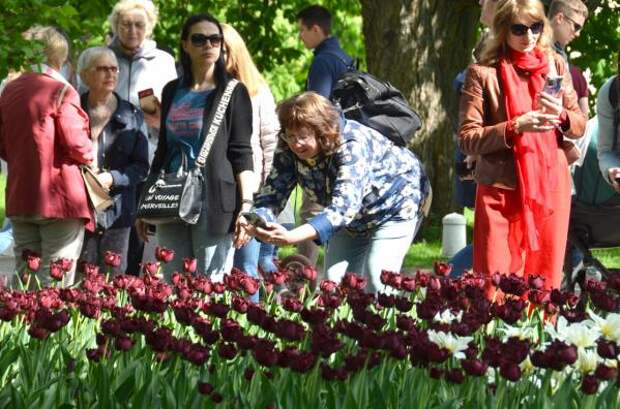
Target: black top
point(231, 154)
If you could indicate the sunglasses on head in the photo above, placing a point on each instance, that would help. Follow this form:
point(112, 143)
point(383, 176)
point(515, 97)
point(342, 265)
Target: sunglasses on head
point(521, 29)
point(199, 40)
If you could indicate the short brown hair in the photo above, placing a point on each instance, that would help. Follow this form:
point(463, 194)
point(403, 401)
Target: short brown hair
point(568, 8)
point(312, 111)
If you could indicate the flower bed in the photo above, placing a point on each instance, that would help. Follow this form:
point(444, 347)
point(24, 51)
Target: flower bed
point(428, 341)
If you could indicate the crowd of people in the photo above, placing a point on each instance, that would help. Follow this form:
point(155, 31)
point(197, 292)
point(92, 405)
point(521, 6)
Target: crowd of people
point(139, 116)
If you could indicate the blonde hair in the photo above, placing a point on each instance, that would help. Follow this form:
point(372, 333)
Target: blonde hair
point(239, 62)
point(124, 6)
point(507, 11)
point(568, 7)
point(55, 44)
point(314, 112)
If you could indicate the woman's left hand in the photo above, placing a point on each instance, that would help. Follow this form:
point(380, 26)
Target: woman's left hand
point(550, 104)
point(244, 232)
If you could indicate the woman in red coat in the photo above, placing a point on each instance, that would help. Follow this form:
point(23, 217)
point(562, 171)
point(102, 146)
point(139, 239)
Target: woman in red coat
point(44, 136)
point(517, 132)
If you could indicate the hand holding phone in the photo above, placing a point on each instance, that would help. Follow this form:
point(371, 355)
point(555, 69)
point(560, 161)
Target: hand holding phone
point(553, 85)
point(255, 220)
point(148, 101)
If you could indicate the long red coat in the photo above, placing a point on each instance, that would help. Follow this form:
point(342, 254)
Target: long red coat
point(44, 177)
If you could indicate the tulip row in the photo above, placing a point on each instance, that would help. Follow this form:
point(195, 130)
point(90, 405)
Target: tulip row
point(425, 341)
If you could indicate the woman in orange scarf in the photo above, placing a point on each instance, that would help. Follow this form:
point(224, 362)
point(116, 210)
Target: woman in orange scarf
point(518, 129)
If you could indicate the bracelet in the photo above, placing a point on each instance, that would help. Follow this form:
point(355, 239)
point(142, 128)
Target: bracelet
point(247, 201)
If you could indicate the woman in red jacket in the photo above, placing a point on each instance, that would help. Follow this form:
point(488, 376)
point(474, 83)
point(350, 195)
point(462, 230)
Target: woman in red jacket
point(516, 130)
point(44, 136)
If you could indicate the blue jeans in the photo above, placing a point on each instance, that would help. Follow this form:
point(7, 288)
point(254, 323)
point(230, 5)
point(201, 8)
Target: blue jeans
point(463, 260)
point(213, 252)
point(383, 249)
point(246, 260)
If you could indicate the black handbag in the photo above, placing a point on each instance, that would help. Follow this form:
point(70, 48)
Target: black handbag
point(179, 196)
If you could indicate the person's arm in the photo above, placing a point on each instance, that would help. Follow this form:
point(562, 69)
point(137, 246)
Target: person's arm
point(272, 197)
point(475, 136)
point(584, 105)
point(74, 132)
point(572, 119)
point(320, 77)
point(347, 193)
point(239, 142)
point(607, 157)
point(268, 136)
point(138, 166)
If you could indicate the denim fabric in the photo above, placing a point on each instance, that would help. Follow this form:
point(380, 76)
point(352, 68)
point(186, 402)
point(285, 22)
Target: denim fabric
point(462, 261)
point(214, 252)
point(246, 259)
point(383, 249)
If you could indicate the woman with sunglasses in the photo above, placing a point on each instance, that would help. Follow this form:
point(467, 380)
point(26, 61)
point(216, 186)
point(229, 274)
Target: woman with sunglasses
point(228, 170)
point(121, 155)
point(515, 127)
point(372, 190)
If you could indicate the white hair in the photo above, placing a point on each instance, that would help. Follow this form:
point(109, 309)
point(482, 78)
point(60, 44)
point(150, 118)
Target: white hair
point(124, 6)
point(90, 55)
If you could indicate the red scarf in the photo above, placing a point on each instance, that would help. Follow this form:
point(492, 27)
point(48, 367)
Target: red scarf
point(535, 152)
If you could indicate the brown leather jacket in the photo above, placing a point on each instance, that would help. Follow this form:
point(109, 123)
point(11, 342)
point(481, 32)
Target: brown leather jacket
point(482, 117)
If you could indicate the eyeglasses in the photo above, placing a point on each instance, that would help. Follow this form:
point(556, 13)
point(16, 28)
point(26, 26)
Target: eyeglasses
point(292, 139)
point(576, 26)
point(199, 40)
point(521, 29)
point(112, 69)
point(126, 25)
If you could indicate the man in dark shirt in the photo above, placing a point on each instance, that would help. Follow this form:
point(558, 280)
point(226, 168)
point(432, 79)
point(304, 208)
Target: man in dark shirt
point(330, 62)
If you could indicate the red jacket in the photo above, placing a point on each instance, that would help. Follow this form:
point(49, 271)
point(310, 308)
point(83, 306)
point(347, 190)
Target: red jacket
point(44, 177)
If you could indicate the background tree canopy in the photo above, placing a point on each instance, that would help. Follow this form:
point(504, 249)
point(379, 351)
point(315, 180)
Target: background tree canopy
point(419, 45)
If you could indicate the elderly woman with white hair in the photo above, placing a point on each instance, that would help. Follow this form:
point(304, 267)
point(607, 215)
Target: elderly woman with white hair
point(121, 154)
point(142, 67)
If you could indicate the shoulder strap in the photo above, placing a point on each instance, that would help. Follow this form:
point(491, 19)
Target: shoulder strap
point(353, 66)
point(61, 96)
point(216, 116)
point(614, 89)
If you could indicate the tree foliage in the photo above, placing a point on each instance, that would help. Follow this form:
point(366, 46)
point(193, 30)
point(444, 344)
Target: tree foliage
point(269, 28)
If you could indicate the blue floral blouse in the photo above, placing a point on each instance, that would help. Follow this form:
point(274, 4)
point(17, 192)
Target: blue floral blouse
point(366, 182)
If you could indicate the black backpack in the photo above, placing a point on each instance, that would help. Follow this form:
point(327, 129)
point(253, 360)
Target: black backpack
point(376, 104)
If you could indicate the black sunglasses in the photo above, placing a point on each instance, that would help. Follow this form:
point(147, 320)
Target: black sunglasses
point(521, 29)
point(199, 40)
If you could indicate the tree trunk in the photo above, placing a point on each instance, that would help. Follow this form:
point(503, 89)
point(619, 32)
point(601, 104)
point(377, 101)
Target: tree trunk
point(420, 46)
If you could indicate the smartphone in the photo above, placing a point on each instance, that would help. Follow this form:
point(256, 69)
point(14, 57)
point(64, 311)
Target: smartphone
point(148, 101)
point(553, 85)
point(255, 220)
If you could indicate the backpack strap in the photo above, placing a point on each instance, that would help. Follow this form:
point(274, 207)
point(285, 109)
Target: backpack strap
point(353, 66)
point(614, 90)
